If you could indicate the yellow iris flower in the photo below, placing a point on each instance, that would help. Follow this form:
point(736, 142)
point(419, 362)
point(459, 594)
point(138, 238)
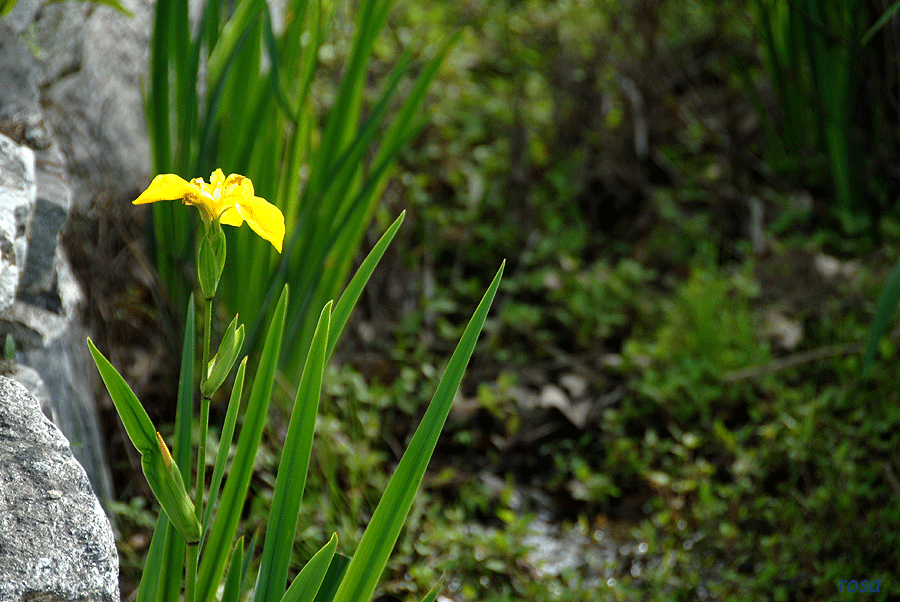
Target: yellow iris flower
point(227, 200)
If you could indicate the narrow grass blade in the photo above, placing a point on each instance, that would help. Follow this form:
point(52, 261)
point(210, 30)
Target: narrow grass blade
point(346, 108)
point(291, 42)
point(228, 42)
point(881, 22)
point(292, 470)
point(336, 571)
point(354, 289)
point(184, 412)
point(403, 120)
point(171, 577)
point(6, 6)
point(248, 556)
point(431, 596)
point(137, 423)
point(185, 82)
point(232, 590)
point(371, 556)
point(110, 3)
point(278, 87)
point(157, 101)
point(234, 494)
point(155, 564)
point(351, 229)
point(225, 441)
point(306, 585)
point(348, 161)
point(884, 311)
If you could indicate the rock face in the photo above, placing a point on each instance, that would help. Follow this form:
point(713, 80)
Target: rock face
point(55, 540)
point(17, 187)
point(34, 204)
point(70, 79)
point(40, 298)
point(71, 132)
point(72, 138)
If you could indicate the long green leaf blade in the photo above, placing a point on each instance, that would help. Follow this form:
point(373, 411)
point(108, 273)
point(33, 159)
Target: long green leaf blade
point(291, 478)
point(137, 423)
point(157, 102)
point(336, 571)
point(155, 563)
point(168, 577)
point(185, 408)
point(306, 585)
point(110, 3)
point(230, 39)
point(225, 440)
point(171, 576)
point(400, 125)
point(232, 590)
point(377, 542)
point(885, 17)
point(354, 289)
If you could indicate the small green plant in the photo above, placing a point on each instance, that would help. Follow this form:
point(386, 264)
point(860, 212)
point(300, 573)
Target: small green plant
point(707, 330)
point(193, 554)
point(239, 95)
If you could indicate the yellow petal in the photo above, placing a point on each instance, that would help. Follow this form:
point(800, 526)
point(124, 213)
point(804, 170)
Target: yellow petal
point(216, 178)
point(202, 185)
point(264, 218)
point(166, 187)
point(239, 185)
point(231, 217)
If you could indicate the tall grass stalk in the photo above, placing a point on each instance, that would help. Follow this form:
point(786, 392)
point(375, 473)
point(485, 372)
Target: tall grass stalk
point(235, 93)
point(813, 52)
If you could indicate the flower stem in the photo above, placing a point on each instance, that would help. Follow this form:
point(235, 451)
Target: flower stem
point(191, 556)
point(192, 553)
point(204, 412)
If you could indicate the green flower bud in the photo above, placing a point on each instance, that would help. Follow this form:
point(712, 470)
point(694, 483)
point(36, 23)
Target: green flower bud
point(207, 268)
point(220, 365)
point(168, 487)
point(218, 243)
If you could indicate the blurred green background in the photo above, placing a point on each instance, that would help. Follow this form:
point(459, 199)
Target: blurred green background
point(697, 202)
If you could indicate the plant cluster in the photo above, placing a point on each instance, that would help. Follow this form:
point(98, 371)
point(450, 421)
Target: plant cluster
point(191, 555)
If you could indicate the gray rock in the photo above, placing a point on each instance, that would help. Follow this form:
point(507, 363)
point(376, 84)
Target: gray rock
point(66, 388)
point(70, 102)
point(34, 204)
point(22, 15)
point(71, 75)
point(51, 210)
point(96, 61)
point(20, 80)
point(37, 321)
point(17, 192)
point(34, 384)
point(55, 541)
